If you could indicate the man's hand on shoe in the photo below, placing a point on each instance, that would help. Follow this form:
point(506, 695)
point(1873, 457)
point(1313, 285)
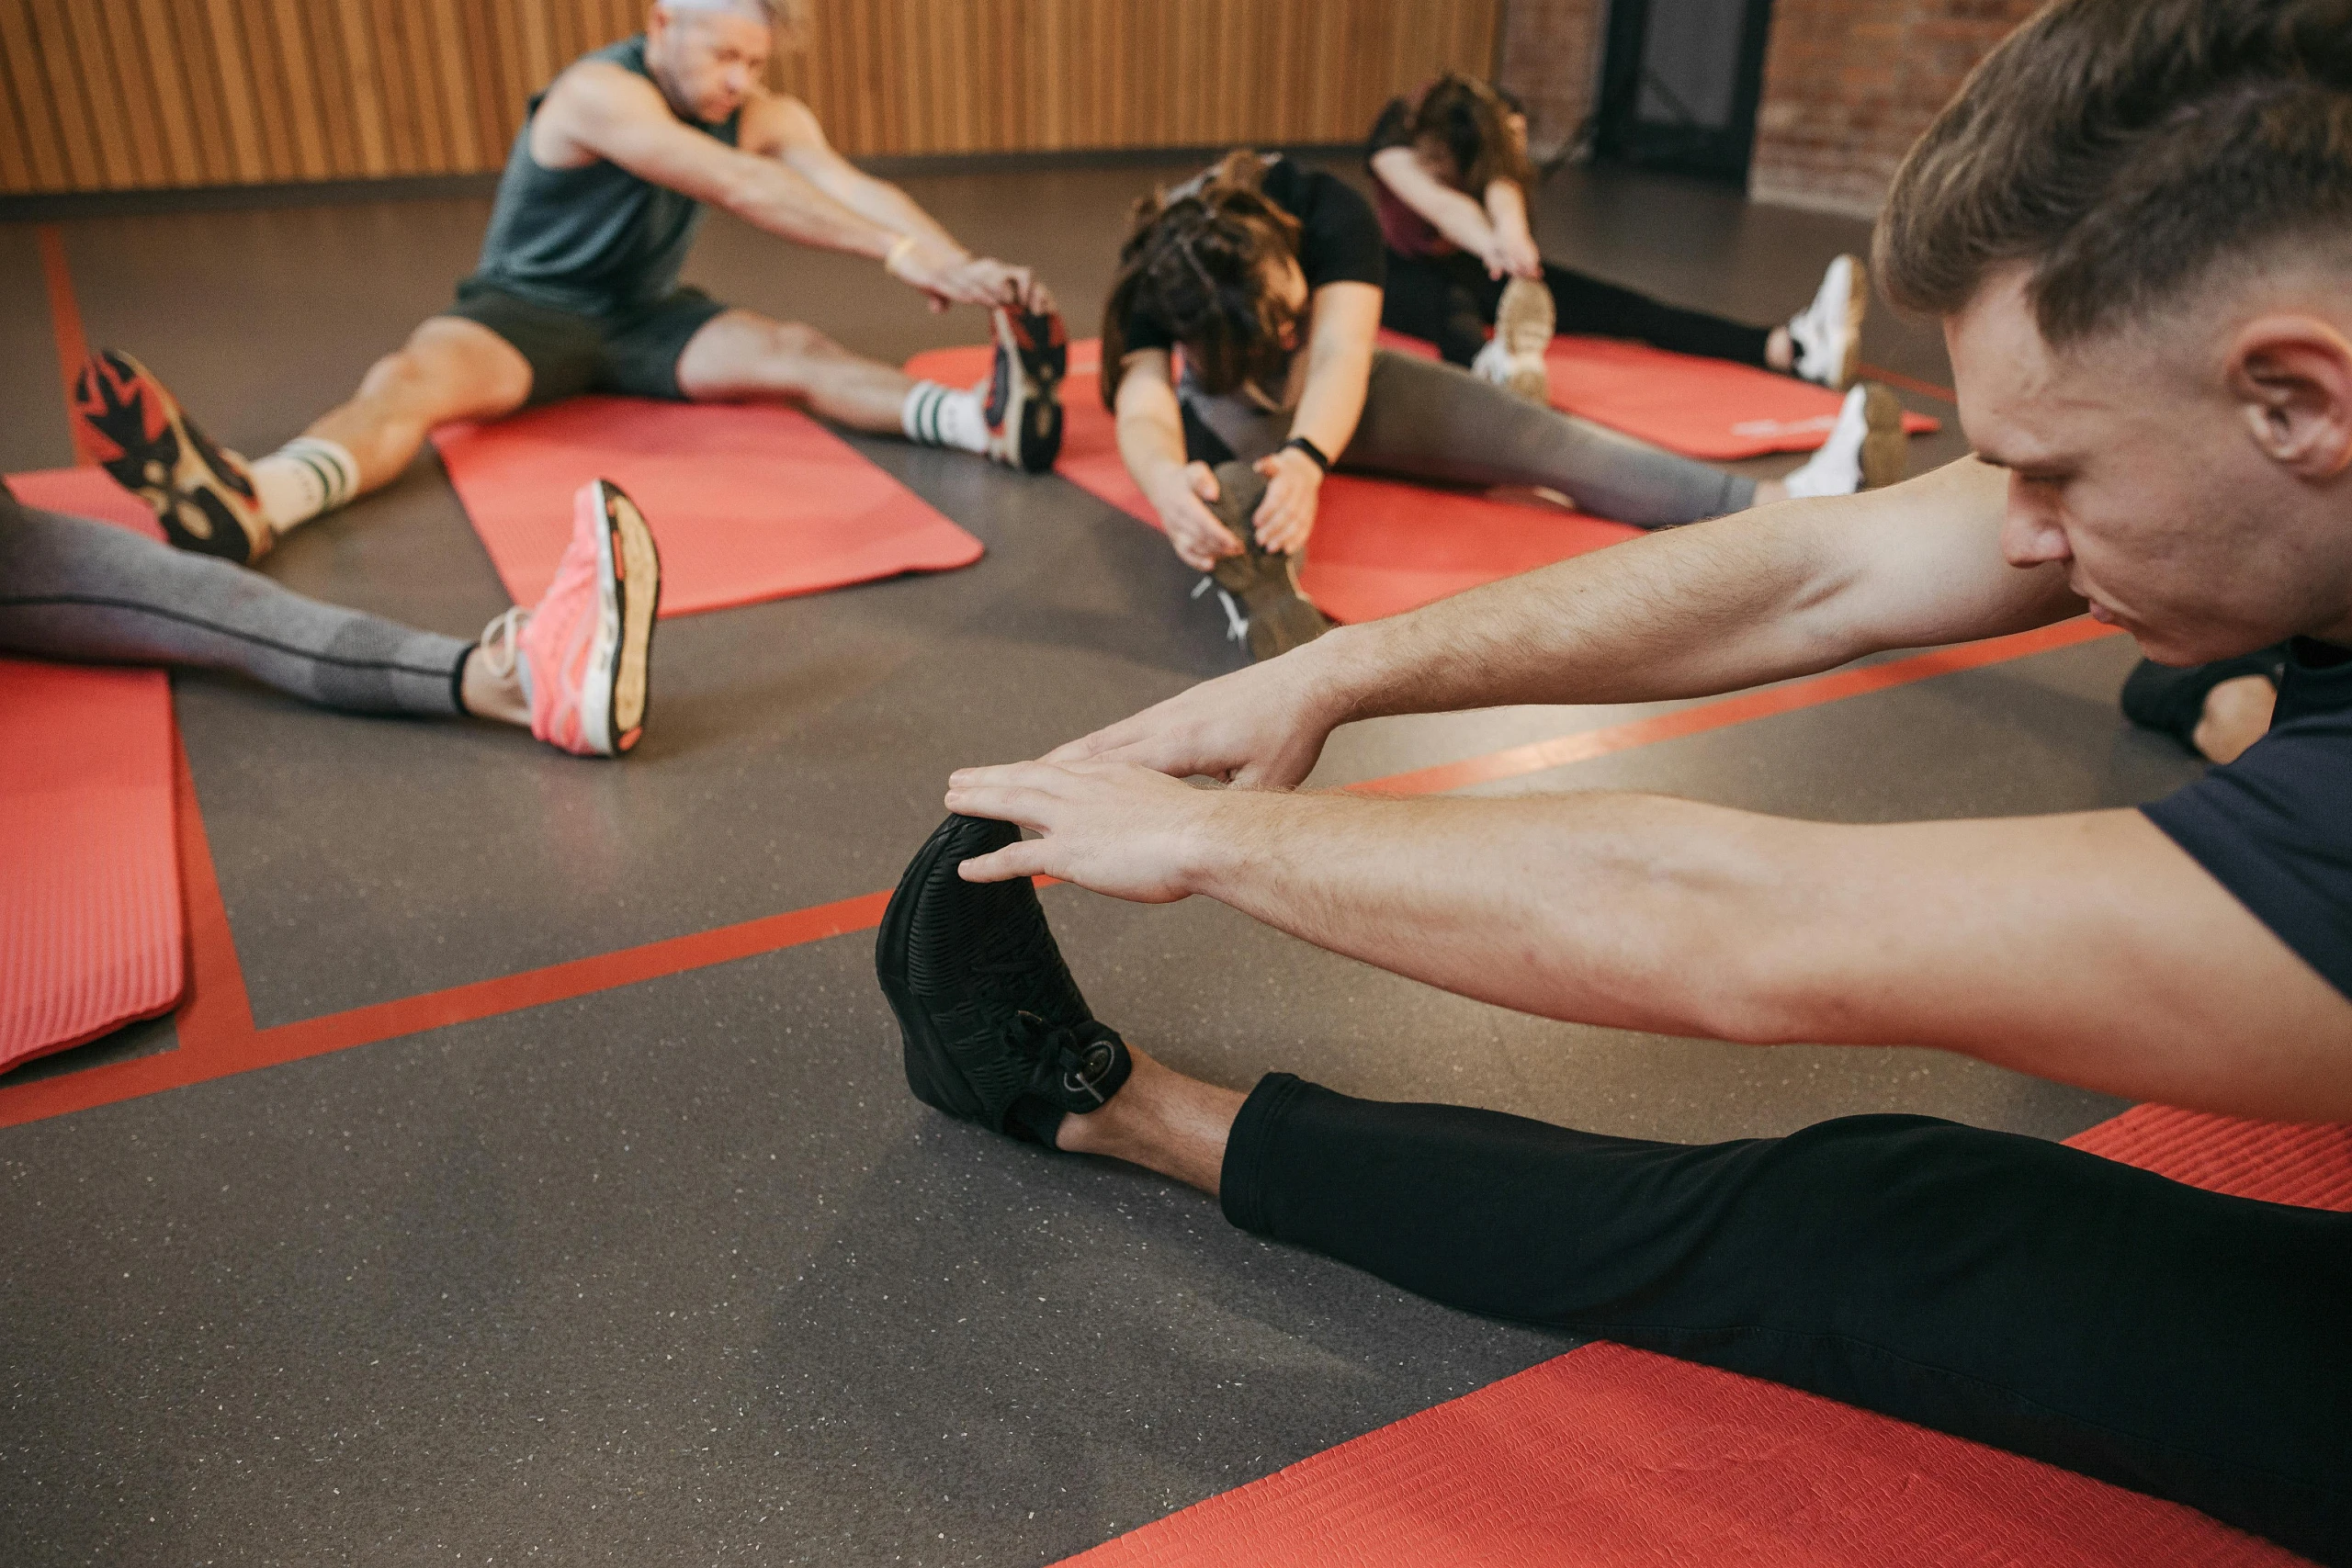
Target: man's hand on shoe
point(1260, 728)
point(951, 277)
point(1200, 540)
point(1111, 826)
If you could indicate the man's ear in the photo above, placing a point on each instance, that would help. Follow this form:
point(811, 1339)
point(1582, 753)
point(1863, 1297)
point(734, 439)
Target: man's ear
point(2291, 377)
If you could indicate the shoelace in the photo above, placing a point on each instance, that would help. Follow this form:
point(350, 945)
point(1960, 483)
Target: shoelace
point(1080, 1059)
point(1237, 624)
point(500, 644)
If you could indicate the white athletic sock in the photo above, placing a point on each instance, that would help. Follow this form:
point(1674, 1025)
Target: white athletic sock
point(303, 478)
point(934, 415)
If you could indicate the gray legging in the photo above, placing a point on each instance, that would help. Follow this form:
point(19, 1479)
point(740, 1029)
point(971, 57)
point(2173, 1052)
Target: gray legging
point(77, 589)
point(1424, 419)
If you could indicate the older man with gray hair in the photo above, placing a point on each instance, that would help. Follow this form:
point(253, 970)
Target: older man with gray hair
point(576, 292)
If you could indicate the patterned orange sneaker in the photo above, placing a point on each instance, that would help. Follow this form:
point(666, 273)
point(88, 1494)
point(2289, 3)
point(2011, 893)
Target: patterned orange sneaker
point(1022, 397)
point(585, 649)
point(202, 495)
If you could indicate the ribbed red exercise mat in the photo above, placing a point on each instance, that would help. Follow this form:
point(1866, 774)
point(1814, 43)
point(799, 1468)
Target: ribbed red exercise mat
point(1710, 409)
point(1381, 547)
point(748, 501)
point(1612, 1457)
point(91, 935)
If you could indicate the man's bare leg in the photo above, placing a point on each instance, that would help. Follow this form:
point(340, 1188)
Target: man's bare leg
point(449, 368)
point(740, 356)
point(1161, 1121)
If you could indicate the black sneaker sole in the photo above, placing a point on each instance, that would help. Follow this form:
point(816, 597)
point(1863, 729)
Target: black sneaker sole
point(1025, 386)
point(129, 413)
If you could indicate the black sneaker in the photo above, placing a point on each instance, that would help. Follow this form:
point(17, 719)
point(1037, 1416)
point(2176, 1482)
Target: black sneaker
point(1265, 607)
point(1024, 404)
point(995, 1029)
point(2171, 700)
point(202, 495)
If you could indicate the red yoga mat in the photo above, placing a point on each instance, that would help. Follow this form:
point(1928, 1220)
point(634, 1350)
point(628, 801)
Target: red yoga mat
point(748, 501)
point(91, 935)
point(1709, 409)
point(1381, 547)
point(1613, 1458)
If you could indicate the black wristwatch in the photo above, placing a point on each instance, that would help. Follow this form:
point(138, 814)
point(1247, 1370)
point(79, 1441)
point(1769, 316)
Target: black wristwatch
point(1313, 453)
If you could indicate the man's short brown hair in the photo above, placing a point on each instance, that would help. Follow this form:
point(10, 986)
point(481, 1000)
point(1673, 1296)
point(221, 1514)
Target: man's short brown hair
point(2126, 151)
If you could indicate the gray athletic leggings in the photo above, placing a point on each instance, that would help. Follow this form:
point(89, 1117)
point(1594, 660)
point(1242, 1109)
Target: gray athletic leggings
point(73, 589)
point(1424, 419)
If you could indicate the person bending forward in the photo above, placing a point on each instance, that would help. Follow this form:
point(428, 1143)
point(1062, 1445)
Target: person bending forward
point(1268, 276)
point(576, 292)
point(1453, 182)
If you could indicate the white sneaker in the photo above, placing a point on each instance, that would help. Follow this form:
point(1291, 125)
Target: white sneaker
point(1827, 334)
point(1524, 320)
point(1866, 449)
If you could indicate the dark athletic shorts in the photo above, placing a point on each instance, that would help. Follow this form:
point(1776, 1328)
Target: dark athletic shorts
point(634, 352)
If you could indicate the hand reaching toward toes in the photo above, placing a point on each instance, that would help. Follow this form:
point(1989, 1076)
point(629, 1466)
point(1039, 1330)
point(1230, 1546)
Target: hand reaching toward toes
point(1263, 727)
point(1111, 826)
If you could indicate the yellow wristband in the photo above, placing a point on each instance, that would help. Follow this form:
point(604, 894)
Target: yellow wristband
point(906, 243)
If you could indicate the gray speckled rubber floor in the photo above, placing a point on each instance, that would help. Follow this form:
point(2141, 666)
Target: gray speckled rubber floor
point(678, 1273)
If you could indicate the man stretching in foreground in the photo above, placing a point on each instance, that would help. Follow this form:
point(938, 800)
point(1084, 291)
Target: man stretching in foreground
point(576, 292)
point(2136, 225)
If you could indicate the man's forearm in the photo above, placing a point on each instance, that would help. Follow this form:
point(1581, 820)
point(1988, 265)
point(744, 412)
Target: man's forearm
point(1784, 590)
point(782, 201)
point(1608, 909)
point(1701, 610)
point(886, 204)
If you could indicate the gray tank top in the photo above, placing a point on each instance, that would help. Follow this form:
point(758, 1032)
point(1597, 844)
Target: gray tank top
point(597, 240)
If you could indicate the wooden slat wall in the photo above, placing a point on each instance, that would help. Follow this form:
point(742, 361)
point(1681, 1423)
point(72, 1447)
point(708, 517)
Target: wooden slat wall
point(116, 95)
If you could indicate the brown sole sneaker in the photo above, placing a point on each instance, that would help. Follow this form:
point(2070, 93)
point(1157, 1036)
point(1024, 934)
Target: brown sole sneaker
point(1886, 450)
point(1263, 602)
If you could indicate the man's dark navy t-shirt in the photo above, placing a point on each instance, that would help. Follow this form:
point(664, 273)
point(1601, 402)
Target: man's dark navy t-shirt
point(2275, 826)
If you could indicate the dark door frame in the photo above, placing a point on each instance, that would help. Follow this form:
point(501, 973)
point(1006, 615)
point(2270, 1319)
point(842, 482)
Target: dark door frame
point(1620, 136)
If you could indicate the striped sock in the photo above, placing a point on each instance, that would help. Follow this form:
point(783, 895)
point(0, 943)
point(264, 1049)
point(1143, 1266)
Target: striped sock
point(303, 478)
point(934, 415)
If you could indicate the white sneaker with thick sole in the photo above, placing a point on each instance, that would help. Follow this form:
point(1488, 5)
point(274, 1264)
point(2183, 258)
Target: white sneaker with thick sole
point(1866, 449)
point(1827, 334)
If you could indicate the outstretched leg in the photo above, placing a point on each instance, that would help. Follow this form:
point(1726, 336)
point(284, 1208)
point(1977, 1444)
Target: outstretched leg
point(2003, 1289)
point(1014, 416)
point(450, 368)
point(572, 670)
point(215, 502)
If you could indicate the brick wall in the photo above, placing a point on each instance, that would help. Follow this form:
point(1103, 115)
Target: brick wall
point(1849, 85)
point(1551, 58)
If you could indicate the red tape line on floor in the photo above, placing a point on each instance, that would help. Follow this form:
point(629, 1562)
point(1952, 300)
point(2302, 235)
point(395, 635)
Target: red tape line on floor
point(217, 1037)
point(65, 325)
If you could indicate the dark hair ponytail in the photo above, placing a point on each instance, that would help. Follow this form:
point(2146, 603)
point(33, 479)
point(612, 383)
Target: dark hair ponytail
point(1468, 121)
point(1196, 263)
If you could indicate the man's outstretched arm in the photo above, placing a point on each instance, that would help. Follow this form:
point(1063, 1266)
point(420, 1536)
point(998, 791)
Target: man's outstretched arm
point(2086, 949)
point(598, 110)
point(1787, 589)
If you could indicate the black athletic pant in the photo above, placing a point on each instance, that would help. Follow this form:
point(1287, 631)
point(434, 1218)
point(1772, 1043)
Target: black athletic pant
point(1451, 301)
point(2002, 1289)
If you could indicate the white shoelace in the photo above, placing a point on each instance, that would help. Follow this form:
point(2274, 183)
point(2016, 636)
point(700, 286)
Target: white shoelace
point(1237, 624)
point(500, 641)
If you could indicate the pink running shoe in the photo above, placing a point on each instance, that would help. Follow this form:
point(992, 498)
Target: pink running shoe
point(583, 650)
